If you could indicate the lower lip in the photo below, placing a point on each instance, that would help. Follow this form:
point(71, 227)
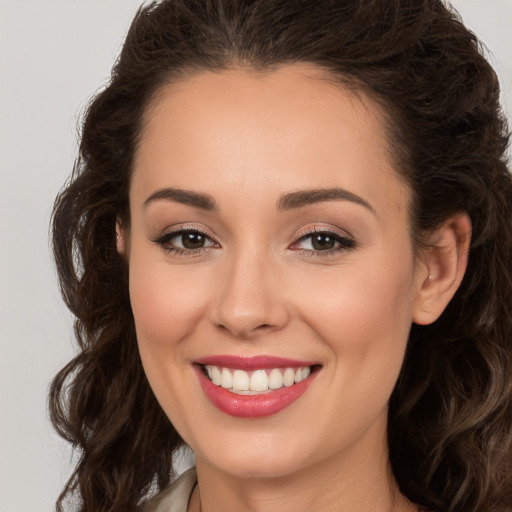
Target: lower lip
point(252, 406)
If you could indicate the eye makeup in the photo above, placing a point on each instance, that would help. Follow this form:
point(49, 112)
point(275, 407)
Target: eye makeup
point(321, 241)
point(316, 241)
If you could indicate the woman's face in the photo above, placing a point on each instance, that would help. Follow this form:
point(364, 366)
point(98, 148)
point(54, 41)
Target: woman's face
point(269, 240)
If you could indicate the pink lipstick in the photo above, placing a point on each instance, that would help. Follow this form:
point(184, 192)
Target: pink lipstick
point(254, 387)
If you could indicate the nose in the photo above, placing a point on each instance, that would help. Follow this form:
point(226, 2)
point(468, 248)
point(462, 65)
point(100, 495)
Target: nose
point(251, 300)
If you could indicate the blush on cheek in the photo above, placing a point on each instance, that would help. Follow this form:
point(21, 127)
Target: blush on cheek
point(154, 308)
point(165, 307)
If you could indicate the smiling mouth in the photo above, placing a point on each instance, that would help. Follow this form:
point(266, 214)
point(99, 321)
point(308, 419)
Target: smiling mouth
point(256, 382)
point(254, 386)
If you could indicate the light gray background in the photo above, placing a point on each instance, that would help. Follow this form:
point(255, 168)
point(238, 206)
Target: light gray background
point(53, 55)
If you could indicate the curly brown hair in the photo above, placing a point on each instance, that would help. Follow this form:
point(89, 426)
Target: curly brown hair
point(450, 420)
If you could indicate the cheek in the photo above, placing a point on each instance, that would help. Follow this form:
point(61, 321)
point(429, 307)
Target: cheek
point(360, 298)
point(165, 306)
point(364, 315)
point(164, 301)
point(365, 322)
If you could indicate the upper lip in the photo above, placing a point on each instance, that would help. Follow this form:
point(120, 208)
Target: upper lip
point(252, 363)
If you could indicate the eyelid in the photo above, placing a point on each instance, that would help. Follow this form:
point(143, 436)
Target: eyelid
point(318, 228)
point(344, 240)
point(179, 228)
point(167, 234)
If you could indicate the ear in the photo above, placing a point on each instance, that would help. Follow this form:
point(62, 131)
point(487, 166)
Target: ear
point(441, 268)
point(120, 238)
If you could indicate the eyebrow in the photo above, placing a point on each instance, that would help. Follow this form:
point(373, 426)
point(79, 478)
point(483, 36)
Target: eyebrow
point(288, 201)
point(196, 199)
point(307, 197)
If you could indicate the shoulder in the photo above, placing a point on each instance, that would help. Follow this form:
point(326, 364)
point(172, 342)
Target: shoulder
point(175, 498)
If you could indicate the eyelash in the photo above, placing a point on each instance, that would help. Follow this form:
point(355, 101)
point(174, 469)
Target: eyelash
point(345, 242)
point(164, 240)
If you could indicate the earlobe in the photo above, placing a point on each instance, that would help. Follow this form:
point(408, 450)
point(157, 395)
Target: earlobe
point(442, 268)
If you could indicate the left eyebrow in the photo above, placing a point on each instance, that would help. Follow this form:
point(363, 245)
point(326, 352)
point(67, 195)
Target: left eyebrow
point(319, 195)
point(188, 197)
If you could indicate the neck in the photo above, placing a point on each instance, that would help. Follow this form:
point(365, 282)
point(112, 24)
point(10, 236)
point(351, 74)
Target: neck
point(340, 484)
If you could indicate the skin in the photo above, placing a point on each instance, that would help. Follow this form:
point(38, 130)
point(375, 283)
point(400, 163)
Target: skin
point(260, 287)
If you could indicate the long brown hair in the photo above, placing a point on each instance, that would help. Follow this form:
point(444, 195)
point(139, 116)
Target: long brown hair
point(450, 420)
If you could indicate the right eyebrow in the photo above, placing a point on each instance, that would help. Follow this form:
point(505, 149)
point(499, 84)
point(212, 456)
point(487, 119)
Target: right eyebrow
point(307, 197)
point(178, 195)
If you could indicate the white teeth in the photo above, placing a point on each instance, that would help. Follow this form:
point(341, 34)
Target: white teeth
point(240, 381)
point(275, 379)
point(226, 379)
point(216, 378)
point(301, 374)
point(257, 381)
point(289, 377)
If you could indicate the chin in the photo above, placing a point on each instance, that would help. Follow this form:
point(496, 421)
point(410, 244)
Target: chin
point(256, 456)
point(263, 468)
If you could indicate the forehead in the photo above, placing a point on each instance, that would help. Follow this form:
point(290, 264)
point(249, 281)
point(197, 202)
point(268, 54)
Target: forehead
point(252, 132)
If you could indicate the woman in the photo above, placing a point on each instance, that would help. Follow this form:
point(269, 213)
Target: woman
point(287, 243)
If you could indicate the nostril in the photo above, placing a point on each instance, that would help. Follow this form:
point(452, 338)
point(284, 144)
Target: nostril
point(247, 331)
point(266, 328)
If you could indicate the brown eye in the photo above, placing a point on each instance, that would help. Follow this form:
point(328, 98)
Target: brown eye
point(192, 240)
point(185, 241)
point(319, 242)
point(323, 242)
